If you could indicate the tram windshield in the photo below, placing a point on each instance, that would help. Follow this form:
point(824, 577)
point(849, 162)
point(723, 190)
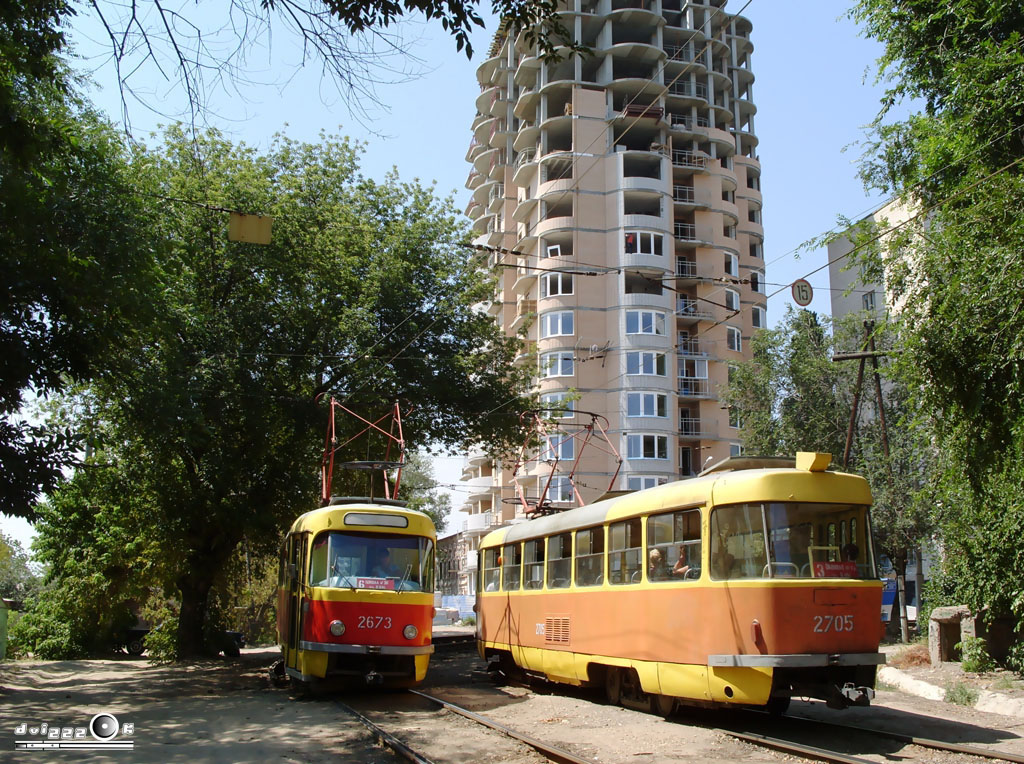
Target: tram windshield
point(791, 540)
point(363, 560)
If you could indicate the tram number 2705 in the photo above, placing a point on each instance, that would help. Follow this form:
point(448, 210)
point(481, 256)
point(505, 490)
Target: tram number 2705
point(826, 623)
point(374, 622)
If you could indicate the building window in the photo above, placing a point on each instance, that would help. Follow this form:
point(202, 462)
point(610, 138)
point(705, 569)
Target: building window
point(645, 362)
point(757, 282)
point(732, 300)
point(558, 446)
point(646, 404)
point(731, 266)
point(759, 317)
point(558, 405)
point(757, 251)
point(641, 482)
point(646, 446)
point(729, 231)
point(734, 418)
point(558, 324)
point(560, 489)
point(645, 322)
point(554, 284)
point(868, 300)
point(558, 364)
point(735, 449)
point(733, 338)
point(643, 243)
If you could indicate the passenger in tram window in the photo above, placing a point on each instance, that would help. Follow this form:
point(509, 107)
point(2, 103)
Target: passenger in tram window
point(850, 552)
point(680, 569)
point(656, 566)
point(384, 568)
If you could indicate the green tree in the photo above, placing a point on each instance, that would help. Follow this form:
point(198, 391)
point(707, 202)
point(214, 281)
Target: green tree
point(421, 490)
point(955, 272)
point(73, 248)
point(791, 397)
point(366, 291)
point(18, 578)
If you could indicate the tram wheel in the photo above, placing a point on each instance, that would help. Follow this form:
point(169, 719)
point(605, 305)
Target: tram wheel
point(777, 705)
point(613, 685)
point(663, 705)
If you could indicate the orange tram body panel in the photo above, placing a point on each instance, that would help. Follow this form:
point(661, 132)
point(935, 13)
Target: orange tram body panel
point(355, 594)
point(751, 584)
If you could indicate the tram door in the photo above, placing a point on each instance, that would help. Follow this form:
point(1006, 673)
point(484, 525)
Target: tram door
point(296, 579)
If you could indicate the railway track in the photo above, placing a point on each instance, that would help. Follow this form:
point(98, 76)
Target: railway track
point(752, 722)
point(409, 753)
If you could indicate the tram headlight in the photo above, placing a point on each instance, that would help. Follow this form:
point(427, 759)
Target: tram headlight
point(410, 632)
point(337, 628)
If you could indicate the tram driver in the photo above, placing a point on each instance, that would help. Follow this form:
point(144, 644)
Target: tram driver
point(383, 567)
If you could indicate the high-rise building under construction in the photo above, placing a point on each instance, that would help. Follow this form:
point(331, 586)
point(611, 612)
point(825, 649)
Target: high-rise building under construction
point(621, 190)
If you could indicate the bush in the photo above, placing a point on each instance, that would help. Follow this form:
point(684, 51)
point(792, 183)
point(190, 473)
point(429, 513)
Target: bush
point(468, 621)
point(961, 694)
point(911, 655)
point(974, 655)
point(1015, 659)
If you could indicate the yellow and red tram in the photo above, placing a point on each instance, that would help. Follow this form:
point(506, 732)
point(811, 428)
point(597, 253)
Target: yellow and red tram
point(355, 593)
point(750, 584)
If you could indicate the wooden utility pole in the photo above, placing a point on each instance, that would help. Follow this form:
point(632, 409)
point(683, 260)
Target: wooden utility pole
point(868, 351)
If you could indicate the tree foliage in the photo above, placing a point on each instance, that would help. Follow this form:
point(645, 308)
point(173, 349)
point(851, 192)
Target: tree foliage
point(792, 397)
point(956, 271)
point(73, 247)
point(366, 291)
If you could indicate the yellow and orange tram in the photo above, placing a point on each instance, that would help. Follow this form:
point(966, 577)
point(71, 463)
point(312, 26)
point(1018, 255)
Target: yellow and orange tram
point(355, 594)
point(750, 584)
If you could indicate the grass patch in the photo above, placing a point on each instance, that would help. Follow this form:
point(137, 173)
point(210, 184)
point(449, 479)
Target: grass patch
point(885, 686)
point(1006, 681)
point(961, 694)
point(911, 655)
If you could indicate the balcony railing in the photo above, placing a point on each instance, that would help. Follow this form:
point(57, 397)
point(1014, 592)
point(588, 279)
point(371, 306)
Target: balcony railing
point(686, 231)
point(693, 427)
point(689, 89)
point(693, 347)
point(689, 308)
point(525, 156)
point(684, 194)
point(694, 387)
point(689, 159)
point(686, 269)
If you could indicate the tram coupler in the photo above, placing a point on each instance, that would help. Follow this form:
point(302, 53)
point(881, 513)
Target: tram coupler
point(374, 678)
point(850, 695)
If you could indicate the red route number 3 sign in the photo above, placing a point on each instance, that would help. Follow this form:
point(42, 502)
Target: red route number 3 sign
point(802, 292)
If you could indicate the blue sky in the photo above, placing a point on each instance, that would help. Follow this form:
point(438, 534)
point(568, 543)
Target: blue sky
point(814, 92)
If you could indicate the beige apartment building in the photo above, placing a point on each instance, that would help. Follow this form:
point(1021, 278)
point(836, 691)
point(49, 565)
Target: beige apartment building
point(622, 190)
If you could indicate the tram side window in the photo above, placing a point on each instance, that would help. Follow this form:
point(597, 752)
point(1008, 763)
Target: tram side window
point(559, 560)
point(492, 570)
point(625, 552)
point(737, 542)
point(533, 559)
point(676, 535)
point(511, 566)
point(590, 557)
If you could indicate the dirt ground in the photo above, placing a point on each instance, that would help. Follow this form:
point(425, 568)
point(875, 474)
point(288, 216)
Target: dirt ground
point(227, 711)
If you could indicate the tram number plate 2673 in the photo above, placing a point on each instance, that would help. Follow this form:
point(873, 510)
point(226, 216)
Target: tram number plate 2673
point(374, 622)
point(827, 623)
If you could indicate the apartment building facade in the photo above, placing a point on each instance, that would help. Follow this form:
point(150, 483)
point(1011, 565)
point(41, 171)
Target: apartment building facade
point(621, 194)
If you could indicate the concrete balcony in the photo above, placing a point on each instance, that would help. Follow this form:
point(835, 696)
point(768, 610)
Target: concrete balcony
point(477, 524)
point(694, 388)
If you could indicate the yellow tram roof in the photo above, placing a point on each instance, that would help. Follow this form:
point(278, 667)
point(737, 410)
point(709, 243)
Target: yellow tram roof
point(331, 517)
point(732, 482)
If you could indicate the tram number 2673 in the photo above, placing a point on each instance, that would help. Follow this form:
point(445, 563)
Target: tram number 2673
point(374, 622)
point(826, 623)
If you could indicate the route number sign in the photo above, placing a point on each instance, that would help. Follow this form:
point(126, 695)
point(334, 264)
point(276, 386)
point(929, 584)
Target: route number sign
point(802, 292)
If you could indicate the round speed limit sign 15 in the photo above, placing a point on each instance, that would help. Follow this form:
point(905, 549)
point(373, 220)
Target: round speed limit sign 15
point(802, 292)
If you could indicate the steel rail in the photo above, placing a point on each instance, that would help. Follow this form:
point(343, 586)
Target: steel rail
point(551, 752)
point(924, 742)
point(807, 751)
point(386, 738)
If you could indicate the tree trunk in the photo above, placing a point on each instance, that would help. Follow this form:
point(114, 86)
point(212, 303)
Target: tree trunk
point(195, 593)
point(900, 563)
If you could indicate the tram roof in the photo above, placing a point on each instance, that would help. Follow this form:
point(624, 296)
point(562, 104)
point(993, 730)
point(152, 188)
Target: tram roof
point(316, 519)
point(722, 484)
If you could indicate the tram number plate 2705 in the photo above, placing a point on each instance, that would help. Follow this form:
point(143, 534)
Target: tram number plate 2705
point(827, 623)
point(374, 622)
